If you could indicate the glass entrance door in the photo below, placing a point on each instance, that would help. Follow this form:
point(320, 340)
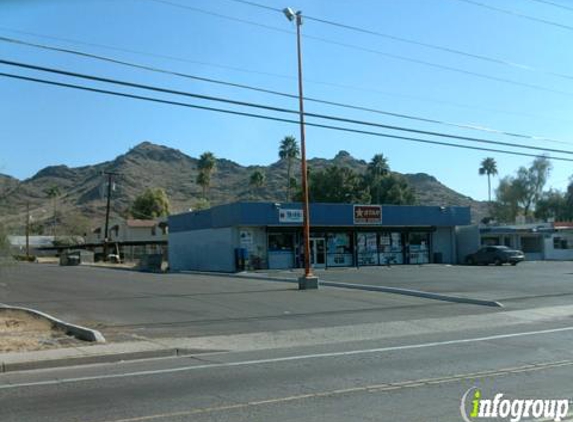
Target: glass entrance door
point(318, 252)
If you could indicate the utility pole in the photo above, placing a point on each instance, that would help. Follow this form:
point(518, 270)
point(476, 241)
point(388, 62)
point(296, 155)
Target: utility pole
point(110, 175)
point(28, 231)
point(309, 280)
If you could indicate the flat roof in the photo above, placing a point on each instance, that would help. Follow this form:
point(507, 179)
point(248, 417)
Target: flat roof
point(240, 214)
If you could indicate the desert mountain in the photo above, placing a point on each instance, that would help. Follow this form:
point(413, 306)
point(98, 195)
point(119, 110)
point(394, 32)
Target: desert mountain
point(151, 165)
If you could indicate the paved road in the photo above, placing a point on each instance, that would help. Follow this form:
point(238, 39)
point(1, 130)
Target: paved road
point(415, 373)
point(126, 305)
point(408, 379)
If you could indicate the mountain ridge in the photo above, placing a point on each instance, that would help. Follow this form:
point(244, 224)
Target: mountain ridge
point(153, 165)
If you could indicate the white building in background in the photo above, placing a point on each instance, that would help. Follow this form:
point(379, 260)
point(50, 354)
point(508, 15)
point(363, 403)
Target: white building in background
point(541, 241)
point(37, 245)
point(132, 238)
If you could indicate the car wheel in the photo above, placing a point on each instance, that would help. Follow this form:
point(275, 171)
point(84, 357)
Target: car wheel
point(497, 262)
point(514, 263)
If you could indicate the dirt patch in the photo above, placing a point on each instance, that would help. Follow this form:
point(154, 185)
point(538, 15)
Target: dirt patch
point(22, 332)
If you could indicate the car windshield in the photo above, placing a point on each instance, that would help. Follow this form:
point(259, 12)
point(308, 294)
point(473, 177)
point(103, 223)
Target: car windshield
point(271, 211)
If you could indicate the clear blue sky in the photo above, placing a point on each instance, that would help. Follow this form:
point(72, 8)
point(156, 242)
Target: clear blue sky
point(43, 125)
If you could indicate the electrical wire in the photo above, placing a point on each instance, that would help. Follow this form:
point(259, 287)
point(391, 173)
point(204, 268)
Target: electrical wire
point(369, 90)
point(518, 14)
point(272, 118)
point(277, 109)
point(552, 3)
point(372, 51)
point(279, 93)
point(436, 47)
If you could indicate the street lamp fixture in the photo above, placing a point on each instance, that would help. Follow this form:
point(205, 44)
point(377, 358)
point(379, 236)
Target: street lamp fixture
point(289, 13)
point(308, 281)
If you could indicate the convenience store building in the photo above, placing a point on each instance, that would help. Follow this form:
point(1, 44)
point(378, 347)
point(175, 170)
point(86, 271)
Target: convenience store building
point(248, 235)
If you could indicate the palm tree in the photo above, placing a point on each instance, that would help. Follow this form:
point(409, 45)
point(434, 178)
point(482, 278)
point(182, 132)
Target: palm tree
point(288, 150)
point(206, 165)
point(378, 168)
point(257, 180)
point(489, 168)
point(203, 180)
point(53, 193)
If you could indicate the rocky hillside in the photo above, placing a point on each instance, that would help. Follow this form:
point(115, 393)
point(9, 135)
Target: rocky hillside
point(151, 165)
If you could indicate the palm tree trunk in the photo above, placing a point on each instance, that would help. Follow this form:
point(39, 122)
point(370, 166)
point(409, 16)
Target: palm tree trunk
point(288, 180)
point(489, 193)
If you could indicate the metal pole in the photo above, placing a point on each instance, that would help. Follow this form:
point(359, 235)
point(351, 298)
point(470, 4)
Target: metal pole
point(305, 212)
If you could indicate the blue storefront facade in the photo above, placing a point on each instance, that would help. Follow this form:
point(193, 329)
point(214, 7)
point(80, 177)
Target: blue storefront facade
point(250, 235)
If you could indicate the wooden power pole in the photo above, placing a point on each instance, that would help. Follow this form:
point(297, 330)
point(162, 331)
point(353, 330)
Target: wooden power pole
point(110, 175)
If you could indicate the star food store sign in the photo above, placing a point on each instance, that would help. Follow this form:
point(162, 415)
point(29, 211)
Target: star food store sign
point(367, 214)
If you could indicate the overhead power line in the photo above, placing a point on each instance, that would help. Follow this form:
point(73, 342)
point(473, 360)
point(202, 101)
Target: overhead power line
point(518, 14)
point(373, 51)
point(279, 93)
point(370, 90)
point(552, 3)
point(278, 109)
point(272, 118)
point(450, 50)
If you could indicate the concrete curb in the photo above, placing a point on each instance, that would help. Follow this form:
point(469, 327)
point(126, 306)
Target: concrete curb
point(415, 293)
point(77, 331)
point(366, 287)
point(34, 364)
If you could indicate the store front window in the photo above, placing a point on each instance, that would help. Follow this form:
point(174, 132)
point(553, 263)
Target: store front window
point(419, 248)
point(367, 249)
point(339, 250)
point(390, 248)
point(281, 250)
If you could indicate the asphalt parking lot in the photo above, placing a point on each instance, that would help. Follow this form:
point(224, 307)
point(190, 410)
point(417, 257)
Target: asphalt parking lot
point(529, 284)
point(127, 305)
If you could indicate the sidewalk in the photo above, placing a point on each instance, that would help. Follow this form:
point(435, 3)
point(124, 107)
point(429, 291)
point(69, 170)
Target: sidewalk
point(186, 346)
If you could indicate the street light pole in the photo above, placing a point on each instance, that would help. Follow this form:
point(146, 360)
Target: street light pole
point(308, 281)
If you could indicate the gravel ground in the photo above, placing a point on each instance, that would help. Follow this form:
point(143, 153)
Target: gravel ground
point(21, 332)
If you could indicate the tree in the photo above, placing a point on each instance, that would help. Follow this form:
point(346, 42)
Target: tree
point(506, 207)
point(377, 169)
point(4, 249)
point(521, 193)
point(54, 193)
point(73, 228)
point(204, 180)
point(201, 204)
point(289, 151)
point(206, 166)
point(257, 180)
point(536, 179)
point(338, 185)
point(553, 204)
point(4, 246)
point(152, 203)
point(394, 190)
point(489, 168)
